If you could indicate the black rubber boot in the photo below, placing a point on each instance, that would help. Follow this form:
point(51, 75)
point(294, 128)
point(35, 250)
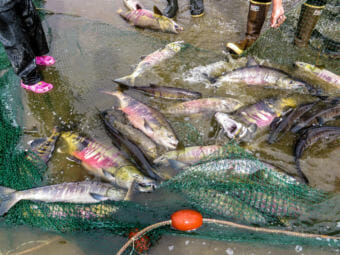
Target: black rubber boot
point(196, 8)
point(171, 10)
point(309, 16)
point(23, 38)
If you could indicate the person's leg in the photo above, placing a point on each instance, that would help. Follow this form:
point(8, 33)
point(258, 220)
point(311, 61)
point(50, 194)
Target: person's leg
point(19, 52)
point(32, 27)
point(196, 8)
point(34, 31)
point(256, 16)
point(16, 44)
point(171, 9)
point(309, 16)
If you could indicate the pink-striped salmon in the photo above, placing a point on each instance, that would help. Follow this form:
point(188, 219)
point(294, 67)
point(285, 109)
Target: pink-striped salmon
point(106, 162)
point(153, 20)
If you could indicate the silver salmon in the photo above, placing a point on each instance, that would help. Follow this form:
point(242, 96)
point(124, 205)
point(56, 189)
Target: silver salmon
point(204, 105)
point(151, 60)
point(73, 192)
point(150, 121)
point(266, 76)
point(153, 20)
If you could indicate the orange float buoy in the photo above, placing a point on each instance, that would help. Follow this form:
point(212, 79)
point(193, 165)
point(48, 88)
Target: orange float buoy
point(142, 244)
point(186, 220)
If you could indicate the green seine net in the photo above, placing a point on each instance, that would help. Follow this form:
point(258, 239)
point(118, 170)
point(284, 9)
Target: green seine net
point(232, 186)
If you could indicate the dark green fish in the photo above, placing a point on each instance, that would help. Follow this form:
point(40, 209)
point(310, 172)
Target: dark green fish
point(44, 147)
point(139, 156)
point(319, 118)
point(308, 138)
point(288, 121)
point(169, 92)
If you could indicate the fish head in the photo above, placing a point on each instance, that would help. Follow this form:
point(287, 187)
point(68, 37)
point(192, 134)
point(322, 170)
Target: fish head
point(168, 25)
point(74, 141)
point(231, 127)
point(175, 46)
point(166, 138)
point(131, 174)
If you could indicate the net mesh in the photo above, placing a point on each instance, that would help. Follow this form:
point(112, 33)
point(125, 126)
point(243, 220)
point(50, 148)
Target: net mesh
point(232, 185)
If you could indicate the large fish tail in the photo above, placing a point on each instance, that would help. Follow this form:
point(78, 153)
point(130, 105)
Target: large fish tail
point(8, 199)
point(128, 80)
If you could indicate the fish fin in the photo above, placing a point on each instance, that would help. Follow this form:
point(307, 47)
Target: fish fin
point(177, 165)
point(210, 79)
point(7, 201)
point(131, 191)
point(37, 142)
point(73, 159)
point(251, 62)
point(128, 80)
point(5, 191)
point(147, 126)
point(98, 197)
point(320, 120)
point(157, 11)
point(108, 175)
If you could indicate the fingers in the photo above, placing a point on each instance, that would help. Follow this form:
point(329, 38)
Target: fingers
point(276, 22)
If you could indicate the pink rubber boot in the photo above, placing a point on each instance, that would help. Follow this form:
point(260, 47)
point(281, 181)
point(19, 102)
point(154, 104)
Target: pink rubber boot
point(44, 60)
point(40, 87)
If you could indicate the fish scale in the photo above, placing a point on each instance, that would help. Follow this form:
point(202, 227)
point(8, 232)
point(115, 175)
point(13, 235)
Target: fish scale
point(106, 162)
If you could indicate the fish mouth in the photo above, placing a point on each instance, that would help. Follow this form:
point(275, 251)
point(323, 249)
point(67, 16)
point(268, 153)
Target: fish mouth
point(179, 29)
point(146, 187)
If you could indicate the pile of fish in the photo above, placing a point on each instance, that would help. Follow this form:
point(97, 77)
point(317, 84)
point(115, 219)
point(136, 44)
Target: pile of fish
point(147, 151)
point(308, 121)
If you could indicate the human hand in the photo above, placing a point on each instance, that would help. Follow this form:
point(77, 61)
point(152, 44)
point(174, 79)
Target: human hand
point(278, 16)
